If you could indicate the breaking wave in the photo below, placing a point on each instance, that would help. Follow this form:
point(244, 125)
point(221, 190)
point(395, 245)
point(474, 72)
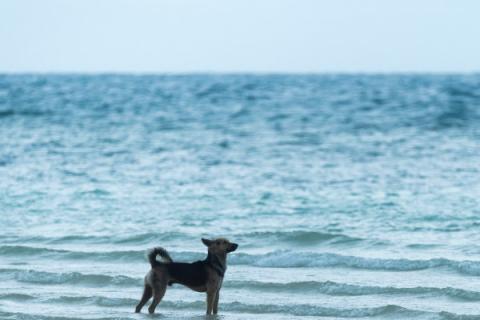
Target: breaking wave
point(274, 259)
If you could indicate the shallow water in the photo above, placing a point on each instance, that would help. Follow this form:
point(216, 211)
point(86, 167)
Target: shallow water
point(350, 196)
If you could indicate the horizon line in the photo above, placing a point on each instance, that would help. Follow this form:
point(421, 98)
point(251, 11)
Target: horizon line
point(180, 73)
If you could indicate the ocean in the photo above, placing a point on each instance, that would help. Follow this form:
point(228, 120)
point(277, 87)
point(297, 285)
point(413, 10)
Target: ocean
point(350, 196)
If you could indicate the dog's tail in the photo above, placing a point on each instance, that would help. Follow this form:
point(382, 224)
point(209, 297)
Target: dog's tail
point(158, 251)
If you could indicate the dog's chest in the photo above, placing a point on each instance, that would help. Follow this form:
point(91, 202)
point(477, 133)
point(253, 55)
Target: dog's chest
point(214, 281)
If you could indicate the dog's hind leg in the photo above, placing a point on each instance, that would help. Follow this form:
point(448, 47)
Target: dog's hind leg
point(158, 293)
point(147, 294)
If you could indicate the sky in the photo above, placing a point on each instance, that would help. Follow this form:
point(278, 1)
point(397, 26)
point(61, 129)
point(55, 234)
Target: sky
point(183, 36)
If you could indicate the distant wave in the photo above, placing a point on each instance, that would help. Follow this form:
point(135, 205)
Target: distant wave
point(27, 251)
point(142, 238)
point(16, 296)
point(112, 256)
point(49, 278)
point(300, 237)
point(95, 300)
point(23, 113)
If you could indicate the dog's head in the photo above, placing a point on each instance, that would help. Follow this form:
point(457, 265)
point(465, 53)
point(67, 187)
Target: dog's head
point(220, 246)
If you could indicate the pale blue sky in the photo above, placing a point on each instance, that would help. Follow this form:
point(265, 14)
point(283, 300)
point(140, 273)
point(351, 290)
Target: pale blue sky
point(239, 35)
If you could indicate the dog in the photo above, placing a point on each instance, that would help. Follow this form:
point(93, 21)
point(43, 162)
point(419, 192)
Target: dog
point(201, 276)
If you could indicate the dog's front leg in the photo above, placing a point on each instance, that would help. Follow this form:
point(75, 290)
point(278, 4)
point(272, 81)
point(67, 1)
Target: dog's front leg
point(215, 302)
point(211, 294)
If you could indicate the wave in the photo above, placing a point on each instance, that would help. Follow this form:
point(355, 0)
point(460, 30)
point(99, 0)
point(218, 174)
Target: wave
point(327, 287)
point(27, 251)
point(95, 300)
point(298, 310)
point(313, 310)
point(289, 259)
point(49, 278)
point(452, 316)
point(275, 259)
point(22, 113)
point(111, 256)
point(294, 237)
point(343, 289)
point(25, 316)
point(291, 309)
point(16, 296)
point(299, 237)
point(141, 238)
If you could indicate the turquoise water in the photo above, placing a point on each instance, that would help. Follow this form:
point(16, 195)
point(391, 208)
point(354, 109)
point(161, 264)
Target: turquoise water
point(350, 196)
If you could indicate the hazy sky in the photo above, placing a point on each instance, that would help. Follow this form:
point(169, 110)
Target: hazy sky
point(239, 35)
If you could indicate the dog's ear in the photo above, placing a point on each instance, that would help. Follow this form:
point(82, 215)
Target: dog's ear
point(207, 242)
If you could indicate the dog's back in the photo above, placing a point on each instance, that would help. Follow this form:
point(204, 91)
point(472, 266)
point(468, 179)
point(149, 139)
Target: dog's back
point(189, 274)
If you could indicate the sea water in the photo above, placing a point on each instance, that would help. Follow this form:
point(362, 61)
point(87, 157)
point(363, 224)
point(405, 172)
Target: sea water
point(352, 196)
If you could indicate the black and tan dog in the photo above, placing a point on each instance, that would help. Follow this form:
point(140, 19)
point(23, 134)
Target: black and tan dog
point(202, 276)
